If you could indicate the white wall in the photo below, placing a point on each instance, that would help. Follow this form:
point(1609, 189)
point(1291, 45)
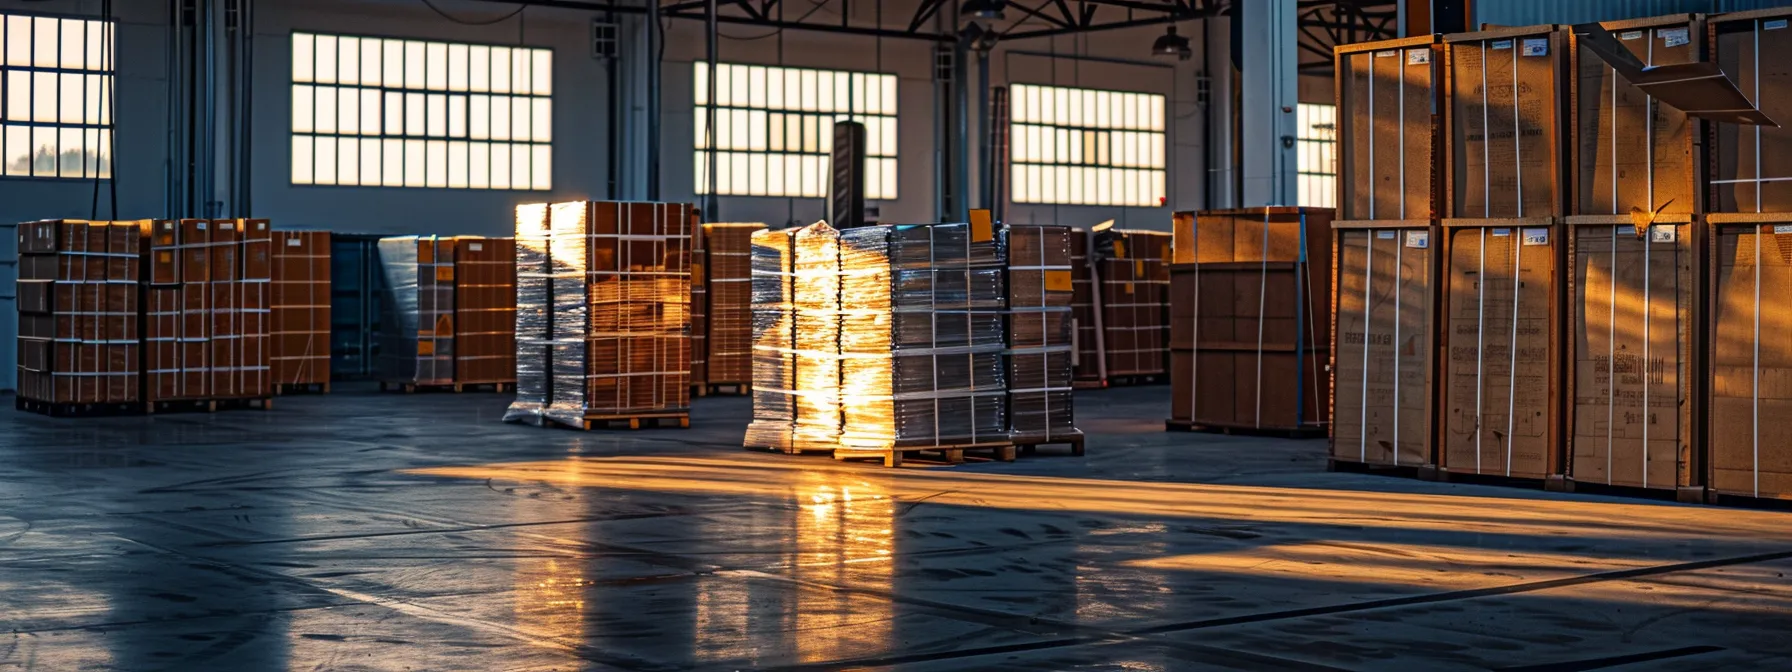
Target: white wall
point(581, 152)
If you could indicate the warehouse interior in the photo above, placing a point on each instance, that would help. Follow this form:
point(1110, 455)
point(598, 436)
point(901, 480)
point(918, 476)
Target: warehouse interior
point(895, 334)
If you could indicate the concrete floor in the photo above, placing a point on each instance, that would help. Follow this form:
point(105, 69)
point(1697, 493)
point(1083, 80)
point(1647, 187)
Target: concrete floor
point(384, 532)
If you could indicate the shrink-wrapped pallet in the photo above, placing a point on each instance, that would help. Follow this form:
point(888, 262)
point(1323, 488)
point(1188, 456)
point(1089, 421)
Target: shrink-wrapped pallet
point(534, 337)
point(417, 318)
point(774, 341)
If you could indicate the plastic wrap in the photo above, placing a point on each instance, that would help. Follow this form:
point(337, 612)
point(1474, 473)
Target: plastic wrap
point(1040, 351)
point(921, 336)
point(815, 299)
point(774, 341)
point(569, 317)
point(534, 337)
point(417, 317)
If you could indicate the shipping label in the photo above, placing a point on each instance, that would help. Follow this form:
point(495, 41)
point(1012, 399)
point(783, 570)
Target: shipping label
point(1673, 37)
point(1386, 54)
point(1627, 230)
point(1502, 44)
point(1539, 236)
point(1775, 24)
point(1384, 235)
point(1502, 232)
point(1418, 56)
point(293, 242)
point(1782, 229)
point(1418, 239)
point(1663, 233)
point(1536, 46)
point(1631, 35)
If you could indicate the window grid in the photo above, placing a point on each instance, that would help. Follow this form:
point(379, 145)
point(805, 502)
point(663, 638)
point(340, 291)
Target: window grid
point(1073, 146)
point(55, 97)
point(774, 132)
point(377, 112)
point(1317, 143)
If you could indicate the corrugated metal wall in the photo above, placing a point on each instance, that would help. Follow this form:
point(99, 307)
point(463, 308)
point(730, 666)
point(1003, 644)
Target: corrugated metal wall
point(1532, 12)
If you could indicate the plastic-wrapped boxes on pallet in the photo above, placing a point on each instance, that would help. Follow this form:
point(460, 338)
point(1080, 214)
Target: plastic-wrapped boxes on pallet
point(727, 271)
point(417, 345)
point(484, 311)
point(1133, 272)
point(1252, 321)
point(299, 334)
point(774, 341)
point(1384, 280)
point(77, 304)
point(618, 283)
point(1039, 351)
point(534, 325)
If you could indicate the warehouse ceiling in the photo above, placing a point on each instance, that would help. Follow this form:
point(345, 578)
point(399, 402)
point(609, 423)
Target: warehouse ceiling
point(1323, 23)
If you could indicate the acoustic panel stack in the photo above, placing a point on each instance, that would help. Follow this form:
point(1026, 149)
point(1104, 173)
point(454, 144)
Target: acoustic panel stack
point(618, 322)
point(1040, 353)
point(1253, 321)
point(299, 333)
point(484, 311)
point(417, 347)
point(1132, 268)
point(729, 274)
point(77, 303)
point(921, 337)
point(1384, 282)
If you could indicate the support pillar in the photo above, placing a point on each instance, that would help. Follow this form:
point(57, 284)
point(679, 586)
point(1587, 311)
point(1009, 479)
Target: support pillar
point(1268, 74)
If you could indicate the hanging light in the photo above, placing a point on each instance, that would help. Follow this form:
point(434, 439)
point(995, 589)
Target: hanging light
point(1171, 44)
point(986, 10)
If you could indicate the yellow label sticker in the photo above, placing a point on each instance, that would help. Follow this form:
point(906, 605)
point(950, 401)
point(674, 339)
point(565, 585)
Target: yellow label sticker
point(696, 272)
point(166, 257)
point(426, 347)
point(1057, 281)
point(1129, 288)
point(982, 228)
point(1119, 249)
point(445, 273)
point(1138, 268)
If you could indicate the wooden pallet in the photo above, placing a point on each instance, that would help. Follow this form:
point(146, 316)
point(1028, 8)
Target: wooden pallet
point(1237, 430)
point(1552, 483)
point(1137, 379)
point(301, 388)
point(206, 405)
point(729, 389)
point(1030, 445)
point(680, 419)
point(68, 410)
point(952, 454)
point(1687, 495)
point(413, 388)
point(1096, 384)
point(1746, 502)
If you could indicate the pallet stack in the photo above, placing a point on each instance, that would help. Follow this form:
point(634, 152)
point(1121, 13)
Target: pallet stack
point(417, 347)
point(727, 270)
point(1085, 311)
point(612, 293)
point(1132, 270)
point(774, 341)
point(1252, 321)
point(485, 312)
point(78, 317)
point(206, 314)
point(1039, 350)
point(299, 333)
point(699, 306)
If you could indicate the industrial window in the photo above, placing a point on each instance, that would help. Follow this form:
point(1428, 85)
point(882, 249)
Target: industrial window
point(1087, 147)
point(1317, 143)
point(56, 120)
point(774, 131)
point(378, 112)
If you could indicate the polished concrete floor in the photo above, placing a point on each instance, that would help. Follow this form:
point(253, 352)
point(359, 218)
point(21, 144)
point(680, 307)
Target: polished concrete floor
point(382, 532)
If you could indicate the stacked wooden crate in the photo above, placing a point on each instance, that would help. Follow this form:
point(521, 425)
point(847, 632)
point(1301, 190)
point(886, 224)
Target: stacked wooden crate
point(78, 344)
point(727, 270)
point(1085, 313)
point(206, 314)
point(699, 307)
point(1502, 252)
point(1252, 321)
point(1748, 452)
point(614, 290)
point(1384, 283)
point(299, 333)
